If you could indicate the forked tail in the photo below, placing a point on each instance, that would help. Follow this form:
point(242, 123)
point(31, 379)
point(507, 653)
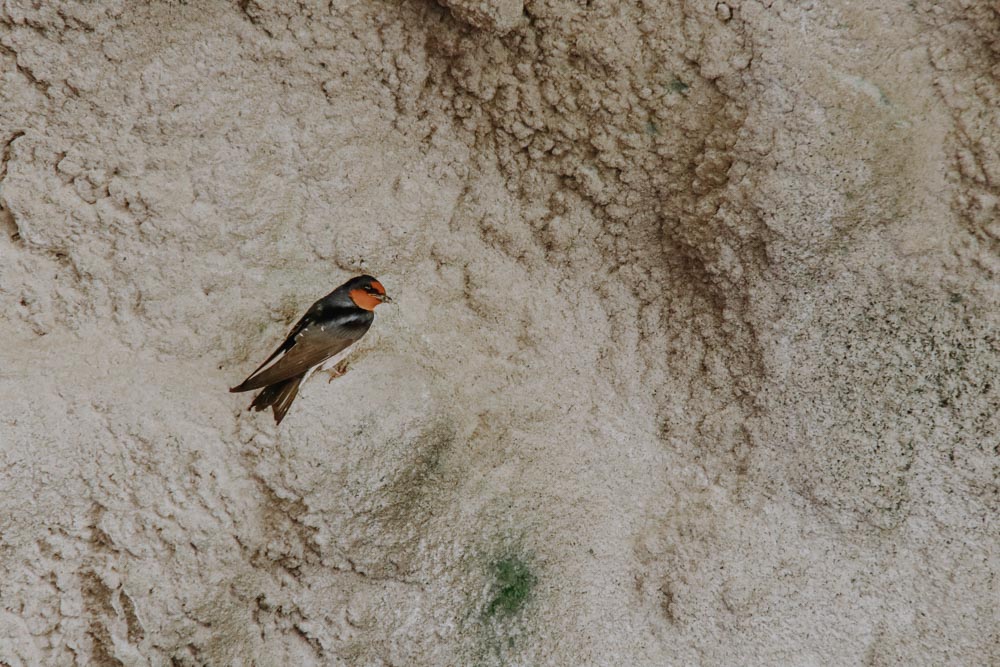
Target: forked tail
point(278, 397)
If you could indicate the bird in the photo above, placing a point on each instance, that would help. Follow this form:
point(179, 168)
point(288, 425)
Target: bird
point(320, 340)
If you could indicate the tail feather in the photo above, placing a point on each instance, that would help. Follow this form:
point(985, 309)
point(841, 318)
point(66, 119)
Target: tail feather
point(278, 397)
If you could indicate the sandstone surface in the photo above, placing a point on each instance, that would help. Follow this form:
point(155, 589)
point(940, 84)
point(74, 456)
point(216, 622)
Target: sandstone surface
point(694, 355)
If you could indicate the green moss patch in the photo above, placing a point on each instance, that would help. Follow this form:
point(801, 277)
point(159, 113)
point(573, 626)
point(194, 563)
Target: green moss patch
point(513, 584)
point(678, 86)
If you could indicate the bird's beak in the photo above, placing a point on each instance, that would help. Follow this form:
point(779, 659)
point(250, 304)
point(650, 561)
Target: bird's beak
point(385, 298)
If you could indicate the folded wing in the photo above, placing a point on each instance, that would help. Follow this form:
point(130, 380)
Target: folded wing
point(310, 344)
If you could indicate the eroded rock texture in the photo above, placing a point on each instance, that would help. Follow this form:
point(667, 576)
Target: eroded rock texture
point(694, 359)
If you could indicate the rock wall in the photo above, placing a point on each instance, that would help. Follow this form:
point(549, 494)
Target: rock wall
point(694, 358)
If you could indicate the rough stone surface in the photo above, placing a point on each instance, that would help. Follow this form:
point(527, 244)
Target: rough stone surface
point(694, 358)
point(497, 16)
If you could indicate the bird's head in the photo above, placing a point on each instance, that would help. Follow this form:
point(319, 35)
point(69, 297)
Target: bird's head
point(366, 292)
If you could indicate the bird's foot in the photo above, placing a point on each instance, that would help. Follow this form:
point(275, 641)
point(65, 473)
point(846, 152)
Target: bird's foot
point(337, 371)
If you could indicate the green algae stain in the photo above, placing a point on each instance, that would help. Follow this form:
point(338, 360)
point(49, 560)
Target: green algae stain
point(678, 86)
point(499, 618)
point(512, 586)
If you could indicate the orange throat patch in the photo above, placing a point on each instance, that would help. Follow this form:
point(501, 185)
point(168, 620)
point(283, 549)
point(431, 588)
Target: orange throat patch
point(363, 299)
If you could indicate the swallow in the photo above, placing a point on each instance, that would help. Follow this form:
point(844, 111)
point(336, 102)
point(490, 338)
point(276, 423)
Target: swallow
point(318, 341)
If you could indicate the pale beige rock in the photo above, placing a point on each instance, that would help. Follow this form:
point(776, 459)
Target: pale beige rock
point(497, 16)
point(693, 359)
